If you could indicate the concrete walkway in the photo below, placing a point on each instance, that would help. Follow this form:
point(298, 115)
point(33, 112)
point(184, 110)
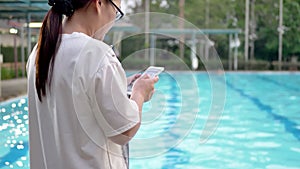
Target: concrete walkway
point(13, 88)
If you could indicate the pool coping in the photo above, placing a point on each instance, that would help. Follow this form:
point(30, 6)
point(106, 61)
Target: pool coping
point(12, 99)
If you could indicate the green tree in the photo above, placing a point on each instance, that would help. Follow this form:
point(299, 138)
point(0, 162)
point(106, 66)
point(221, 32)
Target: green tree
point(267, 13)
point(291, 38)
point(222, 14)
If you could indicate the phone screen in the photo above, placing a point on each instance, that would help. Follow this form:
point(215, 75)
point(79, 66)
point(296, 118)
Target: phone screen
point(152, 71)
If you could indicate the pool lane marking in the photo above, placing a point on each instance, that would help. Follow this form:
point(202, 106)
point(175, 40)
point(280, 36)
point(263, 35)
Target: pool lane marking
point(14, 155)
point(289, 125)
point(278, 83)
point(174, 156)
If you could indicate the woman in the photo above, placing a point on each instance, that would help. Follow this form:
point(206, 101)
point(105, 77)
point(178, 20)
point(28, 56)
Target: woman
point(79, 113)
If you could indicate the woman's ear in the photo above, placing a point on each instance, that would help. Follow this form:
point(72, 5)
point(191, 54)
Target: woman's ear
point(98, 4)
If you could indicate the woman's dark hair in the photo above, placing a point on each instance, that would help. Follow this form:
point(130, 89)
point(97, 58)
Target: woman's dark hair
point(49, 40)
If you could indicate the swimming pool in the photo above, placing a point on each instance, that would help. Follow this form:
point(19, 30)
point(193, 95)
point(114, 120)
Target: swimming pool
point(14, 134)
point(259, 127)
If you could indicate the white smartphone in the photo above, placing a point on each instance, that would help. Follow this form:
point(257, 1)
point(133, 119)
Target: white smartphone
point(152, 71)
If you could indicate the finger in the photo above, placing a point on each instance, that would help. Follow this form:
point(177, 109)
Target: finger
point(137, 76)
point(146, 76)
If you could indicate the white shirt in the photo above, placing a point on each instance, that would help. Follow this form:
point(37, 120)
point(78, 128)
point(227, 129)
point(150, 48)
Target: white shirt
point(86, 104)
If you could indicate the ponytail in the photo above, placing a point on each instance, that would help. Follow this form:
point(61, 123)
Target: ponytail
point(48, 43)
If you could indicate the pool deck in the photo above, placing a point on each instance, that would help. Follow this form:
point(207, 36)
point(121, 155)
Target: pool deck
point(18, 87)
point(13, 88)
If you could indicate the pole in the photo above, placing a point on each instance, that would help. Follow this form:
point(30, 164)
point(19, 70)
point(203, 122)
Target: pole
point(235, 65)
point(207, 13)
point(194, 58)
point(147, 27)
point(201, 49)
point(1, 60)
point(152, 50)
point(28, 34)
point(247, 33)
point(253, 33)
point(181, 26)
point(22, 51)
point(16, 55)
point(207, 46)
point(230, 53)
point(280, 29)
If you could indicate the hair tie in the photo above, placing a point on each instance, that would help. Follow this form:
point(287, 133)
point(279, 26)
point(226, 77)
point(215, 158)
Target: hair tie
point(63, 7)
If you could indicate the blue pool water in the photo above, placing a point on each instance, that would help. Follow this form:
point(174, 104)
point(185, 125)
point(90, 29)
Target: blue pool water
point(259, 126)
point(14, 134)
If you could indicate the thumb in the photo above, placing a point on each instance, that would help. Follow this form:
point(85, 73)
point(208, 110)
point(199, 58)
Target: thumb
point(155, 79)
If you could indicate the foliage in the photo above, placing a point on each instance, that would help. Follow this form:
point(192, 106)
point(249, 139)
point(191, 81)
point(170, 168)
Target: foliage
point(7, 73)
point(226, 14)
point(291, 39)
point(268, 19)
point(8, 53)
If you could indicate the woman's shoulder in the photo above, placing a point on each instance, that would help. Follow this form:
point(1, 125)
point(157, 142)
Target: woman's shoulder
point(83, 39)
point(92, 52)
point(86, 46)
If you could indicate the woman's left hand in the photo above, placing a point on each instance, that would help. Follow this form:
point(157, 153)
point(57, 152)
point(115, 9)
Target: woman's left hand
point(132, 78)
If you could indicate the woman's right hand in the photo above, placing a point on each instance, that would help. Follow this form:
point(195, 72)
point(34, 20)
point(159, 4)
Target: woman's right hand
point(144, 87)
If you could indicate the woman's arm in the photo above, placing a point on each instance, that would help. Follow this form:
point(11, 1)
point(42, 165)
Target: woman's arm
point(142, 92)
